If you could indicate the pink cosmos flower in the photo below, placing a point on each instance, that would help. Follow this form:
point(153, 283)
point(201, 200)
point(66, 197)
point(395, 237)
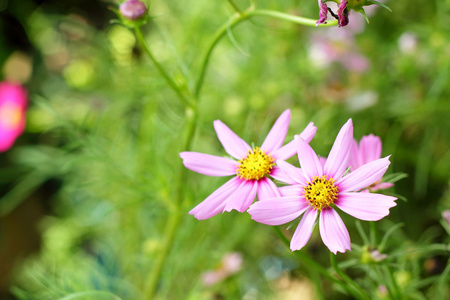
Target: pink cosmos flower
point(250, 169)
point(369, 149)
point(319, 189)
point(13, 102)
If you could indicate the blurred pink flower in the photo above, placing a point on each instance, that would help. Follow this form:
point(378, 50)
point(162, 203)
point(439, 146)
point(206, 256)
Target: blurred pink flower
point(231, 264)
point(407, 42)
point(369, 149)
point(13, 102)
point(318, 189)
point(250, 169)
point(446, 216)
point(336, 46)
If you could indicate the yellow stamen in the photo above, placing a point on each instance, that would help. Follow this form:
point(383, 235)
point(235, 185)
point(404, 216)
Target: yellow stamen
point(321, 192)
point(255, 165)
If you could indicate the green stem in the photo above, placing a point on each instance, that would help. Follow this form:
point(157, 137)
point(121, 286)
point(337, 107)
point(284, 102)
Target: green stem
point(305, 259)
point(235, 20)
point(234, 6)
point(373, 234)
point(154, 276)
point(188, 102)
point(290, 18)
point(396, 293)
point(353, 287)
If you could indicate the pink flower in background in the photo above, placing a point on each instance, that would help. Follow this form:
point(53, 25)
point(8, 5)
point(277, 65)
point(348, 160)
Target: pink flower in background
point(13, 102)
point(334, 46)
point(250, 169)
point(369, 149)
point(319, 189)
point(231, 264)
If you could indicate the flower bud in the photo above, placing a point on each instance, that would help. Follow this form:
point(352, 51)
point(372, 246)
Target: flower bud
point(133, 9)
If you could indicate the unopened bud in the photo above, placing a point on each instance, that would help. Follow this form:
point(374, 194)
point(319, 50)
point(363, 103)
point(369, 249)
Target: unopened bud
point(133, 9)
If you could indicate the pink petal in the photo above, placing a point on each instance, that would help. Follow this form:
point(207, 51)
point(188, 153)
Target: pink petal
point(333, 231)
point(322, 161)
point(293, 172)
point(381, 186)
point(277, 134)
point(309, 161)
point(243, 197)
point(290, 149)
point(365, 206)
point(209, 164)
point(355, 156)
point(267, 189)
point(281, 175)
point(364, 176)
point(277, 211)
point(337, 160)
point(233, 144)
point(215, 202)
point(370, 148)
point(309, 132)
point(291, 190)
point(304, 229)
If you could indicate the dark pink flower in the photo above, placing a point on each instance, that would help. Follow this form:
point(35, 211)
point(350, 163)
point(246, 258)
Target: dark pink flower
point(323, 11)
point(343, 13)
point(13, 102)
point(318, 189)
point(250, 169)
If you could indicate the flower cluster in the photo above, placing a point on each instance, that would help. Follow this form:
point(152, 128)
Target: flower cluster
point(343, 180)
point(13, 102)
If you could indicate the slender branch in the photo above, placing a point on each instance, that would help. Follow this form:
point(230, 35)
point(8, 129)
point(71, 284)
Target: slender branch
point(291, 18)
point(154, 276)
point(188, 102)
point(354, 288)
point(235, 20)
point(235, 6)
point(304, 258)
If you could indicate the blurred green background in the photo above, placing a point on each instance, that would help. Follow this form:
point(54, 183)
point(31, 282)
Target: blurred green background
point(89, 185)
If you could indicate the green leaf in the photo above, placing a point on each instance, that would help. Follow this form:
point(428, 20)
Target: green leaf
point(370, 2)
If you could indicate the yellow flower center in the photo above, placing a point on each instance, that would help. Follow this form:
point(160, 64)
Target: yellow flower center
point(10, 116)
point(255, 165)
point(321, 192)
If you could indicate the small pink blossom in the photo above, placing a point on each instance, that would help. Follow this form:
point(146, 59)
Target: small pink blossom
point(250, 167)
point(230, 265)
point(13, 102)
point(319, 189)
point(133, 9)
point(369, 149)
